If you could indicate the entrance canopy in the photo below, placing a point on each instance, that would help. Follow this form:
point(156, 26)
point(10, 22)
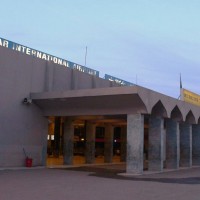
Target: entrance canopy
point(114, 101)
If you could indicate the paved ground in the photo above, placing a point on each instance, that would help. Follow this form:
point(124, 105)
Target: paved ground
point(97, 182)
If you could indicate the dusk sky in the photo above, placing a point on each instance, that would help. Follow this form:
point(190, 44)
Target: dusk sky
point(148, 42)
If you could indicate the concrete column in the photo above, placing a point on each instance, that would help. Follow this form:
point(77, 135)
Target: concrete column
point(44, 146)
point(68, 142)
point(196, 144)
point(123, 138)
point(135, 143)
point(185, 145)
point(172, 144)
point(90, 142)
point(108, 145)
point(155, 155)
point(57, 136)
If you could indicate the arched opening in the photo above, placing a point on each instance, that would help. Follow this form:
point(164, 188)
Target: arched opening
point(190, 118)
point(176, 114)
point(159, 110)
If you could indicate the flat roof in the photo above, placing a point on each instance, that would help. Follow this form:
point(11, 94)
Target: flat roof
point(109, 101)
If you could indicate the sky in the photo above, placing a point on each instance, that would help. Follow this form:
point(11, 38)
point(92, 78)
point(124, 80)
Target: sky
point(146, 42)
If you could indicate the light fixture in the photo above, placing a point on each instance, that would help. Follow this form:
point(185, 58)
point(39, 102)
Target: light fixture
point(27, 101)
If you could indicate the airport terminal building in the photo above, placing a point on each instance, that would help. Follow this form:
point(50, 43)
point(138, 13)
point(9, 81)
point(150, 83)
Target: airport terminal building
point(52, 107)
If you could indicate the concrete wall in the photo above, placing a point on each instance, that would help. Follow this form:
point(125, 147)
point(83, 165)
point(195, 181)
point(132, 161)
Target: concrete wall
point(23, 126)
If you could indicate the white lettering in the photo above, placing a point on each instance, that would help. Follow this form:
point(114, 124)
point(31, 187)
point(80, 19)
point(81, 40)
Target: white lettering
point(65, 63)
point(60, 61)
point(55, 60)
point(18, 47)
point(5, 43)
point(13, 47)
point(80, 68)
point(39, 54)
point(44, 56)
point(23, 49)
point(33, 52)
point(28, 51)
point(48, 56)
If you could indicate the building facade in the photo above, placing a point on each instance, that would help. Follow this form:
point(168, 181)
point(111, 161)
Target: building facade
point(156, 131)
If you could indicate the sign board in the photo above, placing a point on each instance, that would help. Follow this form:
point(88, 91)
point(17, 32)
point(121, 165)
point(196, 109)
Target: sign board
point(118, 80)
point(39, 54)
point(190, 97)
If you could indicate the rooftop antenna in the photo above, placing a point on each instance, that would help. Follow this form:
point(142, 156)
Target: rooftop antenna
point(85, 56)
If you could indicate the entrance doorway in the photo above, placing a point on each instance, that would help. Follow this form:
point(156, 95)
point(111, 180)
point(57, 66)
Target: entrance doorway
point(55, 141)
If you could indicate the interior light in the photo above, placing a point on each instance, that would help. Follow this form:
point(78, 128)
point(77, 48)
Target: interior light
point(52, 137)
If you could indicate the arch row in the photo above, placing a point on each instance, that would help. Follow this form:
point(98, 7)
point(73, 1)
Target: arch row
point(161, 105)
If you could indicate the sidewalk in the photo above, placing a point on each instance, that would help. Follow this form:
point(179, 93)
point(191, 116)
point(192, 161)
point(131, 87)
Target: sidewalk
point(97, 183)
